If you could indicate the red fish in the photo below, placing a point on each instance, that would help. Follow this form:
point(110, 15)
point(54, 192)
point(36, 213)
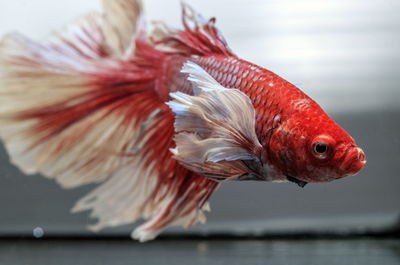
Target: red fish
point(160, 119)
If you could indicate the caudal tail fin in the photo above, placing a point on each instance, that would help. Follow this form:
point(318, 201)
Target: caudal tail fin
point(81, 108)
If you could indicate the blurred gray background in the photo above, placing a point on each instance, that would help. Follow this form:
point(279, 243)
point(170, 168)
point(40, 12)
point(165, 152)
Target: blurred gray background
point(345, 54)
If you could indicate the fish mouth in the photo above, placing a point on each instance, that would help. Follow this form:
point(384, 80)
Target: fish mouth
point(299, 182)
point(353, 161)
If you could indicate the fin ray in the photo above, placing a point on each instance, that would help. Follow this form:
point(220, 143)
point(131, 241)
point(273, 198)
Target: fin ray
point(199, 36)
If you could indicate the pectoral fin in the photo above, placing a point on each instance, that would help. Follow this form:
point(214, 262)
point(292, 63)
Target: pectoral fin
point(215, 127)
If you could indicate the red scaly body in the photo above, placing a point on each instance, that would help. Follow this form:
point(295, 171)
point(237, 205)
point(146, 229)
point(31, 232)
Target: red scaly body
point(286, 118)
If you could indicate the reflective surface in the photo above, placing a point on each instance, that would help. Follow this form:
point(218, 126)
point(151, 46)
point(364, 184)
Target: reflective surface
point(217, 252)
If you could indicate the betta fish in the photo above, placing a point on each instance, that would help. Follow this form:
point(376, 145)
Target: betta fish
point(159, 119)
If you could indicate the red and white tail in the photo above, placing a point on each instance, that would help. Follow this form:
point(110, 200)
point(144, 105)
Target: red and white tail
point(81, 108)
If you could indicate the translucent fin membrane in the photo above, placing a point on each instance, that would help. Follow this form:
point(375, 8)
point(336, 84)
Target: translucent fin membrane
point(199, 36)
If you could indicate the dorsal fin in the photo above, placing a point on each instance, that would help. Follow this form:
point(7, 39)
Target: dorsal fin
point(199, 36)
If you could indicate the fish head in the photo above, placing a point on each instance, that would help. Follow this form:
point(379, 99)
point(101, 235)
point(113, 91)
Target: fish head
point(311, 147)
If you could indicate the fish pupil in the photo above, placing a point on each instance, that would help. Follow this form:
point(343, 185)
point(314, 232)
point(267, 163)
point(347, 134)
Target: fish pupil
point(321, 148)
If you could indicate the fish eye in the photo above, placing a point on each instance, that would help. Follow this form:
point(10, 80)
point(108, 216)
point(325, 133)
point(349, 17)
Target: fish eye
point(321, 148)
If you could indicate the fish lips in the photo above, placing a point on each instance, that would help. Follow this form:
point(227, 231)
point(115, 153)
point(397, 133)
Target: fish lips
point(353, 161)
point(299, 182)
